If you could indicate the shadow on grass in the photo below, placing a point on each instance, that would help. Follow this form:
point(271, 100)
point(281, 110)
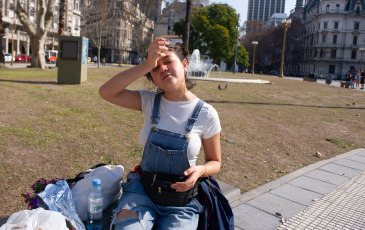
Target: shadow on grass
point(31, 82)
point(264, 103)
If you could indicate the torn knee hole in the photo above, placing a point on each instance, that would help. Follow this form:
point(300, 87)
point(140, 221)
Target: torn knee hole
point(125, 214)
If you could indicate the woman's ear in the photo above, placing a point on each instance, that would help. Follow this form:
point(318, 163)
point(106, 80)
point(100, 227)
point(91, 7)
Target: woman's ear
point(185, 64)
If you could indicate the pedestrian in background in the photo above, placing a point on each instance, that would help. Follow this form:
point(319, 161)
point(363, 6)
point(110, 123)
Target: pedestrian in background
point(103, 61)
point(357, 79)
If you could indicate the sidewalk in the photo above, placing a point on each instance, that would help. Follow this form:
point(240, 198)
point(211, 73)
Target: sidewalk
point(329, 194)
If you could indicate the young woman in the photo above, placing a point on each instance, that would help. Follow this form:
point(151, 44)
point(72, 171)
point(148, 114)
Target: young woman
point(162, 193)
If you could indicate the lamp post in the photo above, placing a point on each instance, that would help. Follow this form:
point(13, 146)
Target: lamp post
point(254, 43)
point(362, 50)
point(285, 24)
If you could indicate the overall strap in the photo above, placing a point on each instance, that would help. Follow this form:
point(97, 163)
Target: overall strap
point(155, 112)
point(194, 116)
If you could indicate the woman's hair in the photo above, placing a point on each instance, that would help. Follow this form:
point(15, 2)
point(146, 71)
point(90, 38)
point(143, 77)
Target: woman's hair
point(181, 53)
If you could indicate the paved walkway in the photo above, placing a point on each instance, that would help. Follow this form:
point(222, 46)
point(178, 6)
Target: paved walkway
point(329, 194)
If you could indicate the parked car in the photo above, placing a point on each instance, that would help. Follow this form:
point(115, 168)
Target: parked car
point(22, 58)
point(7, 57)
point(273, 72)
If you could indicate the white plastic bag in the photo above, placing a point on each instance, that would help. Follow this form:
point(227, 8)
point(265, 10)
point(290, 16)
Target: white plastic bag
point(111, 179)
point(36, 219)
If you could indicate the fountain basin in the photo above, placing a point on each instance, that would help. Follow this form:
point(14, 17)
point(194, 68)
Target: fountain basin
point(255, 81)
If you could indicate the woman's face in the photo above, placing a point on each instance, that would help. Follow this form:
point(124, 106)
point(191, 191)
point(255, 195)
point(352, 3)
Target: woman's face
point(169, 74)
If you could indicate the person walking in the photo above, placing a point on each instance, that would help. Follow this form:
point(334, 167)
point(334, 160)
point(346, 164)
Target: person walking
point(103, 61)
point(357, 79)
point(95, 60)
point(162, 190)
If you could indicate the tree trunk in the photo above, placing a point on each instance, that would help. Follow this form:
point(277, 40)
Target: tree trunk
point(37, 44)
point(187, 25)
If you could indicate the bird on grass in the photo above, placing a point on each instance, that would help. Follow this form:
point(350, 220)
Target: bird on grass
point(220, 88)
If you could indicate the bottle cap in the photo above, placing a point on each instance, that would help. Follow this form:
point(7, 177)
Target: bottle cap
point(96, 181)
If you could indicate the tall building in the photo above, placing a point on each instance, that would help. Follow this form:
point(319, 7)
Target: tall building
point(263, 9)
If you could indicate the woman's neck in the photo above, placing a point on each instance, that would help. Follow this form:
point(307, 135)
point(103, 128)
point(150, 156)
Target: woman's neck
point(179, 95)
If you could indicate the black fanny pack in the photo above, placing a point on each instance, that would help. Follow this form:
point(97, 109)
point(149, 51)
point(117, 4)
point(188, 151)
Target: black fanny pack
point(158, 188)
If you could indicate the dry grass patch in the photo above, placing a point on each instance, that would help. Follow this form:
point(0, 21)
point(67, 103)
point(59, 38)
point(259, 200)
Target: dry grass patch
point(54, 131)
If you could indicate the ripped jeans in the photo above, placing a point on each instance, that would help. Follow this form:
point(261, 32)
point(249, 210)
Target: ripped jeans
point(135, 200)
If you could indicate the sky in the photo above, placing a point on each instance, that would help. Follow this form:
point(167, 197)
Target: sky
point(242, 5)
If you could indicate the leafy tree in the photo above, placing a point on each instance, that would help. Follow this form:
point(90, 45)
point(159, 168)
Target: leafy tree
point(213, 31)
point(242, 57)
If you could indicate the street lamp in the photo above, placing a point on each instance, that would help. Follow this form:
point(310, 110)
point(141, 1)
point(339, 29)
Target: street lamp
point(285, 24)
point(362, 50)
point(254, 43)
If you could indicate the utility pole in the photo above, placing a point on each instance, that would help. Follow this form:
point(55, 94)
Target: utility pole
point(187, 25)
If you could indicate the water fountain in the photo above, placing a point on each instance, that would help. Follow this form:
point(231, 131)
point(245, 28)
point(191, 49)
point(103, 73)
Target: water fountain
point(201, 70)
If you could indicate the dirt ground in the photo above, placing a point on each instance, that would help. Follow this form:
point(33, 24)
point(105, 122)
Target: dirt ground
point(268, 130)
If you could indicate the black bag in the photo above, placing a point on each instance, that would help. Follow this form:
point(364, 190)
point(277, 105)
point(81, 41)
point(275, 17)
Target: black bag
point(158, 188)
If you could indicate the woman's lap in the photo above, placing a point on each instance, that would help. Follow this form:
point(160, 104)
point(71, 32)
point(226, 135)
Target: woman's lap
point(146, 213)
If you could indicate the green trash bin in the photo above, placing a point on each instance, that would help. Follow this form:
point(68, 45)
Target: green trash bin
point(72, 59)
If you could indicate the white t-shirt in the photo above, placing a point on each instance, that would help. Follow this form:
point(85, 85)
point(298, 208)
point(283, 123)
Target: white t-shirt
point(174, 117)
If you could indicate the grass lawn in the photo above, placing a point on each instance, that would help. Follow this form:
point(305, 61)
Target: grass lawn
point(268, 130)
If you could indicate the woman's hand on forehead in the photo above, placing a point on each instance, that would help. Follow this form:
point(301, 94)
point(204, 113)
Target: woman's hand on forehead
point(155, 51)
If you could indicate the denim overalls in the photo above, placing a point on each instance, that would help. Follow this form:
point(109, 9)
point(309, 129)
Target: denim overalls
point(164, 152)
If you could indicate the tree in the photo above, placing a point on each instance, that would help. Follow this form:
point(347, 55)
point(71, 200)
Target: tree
point(2, 33)
point(37, 32)
point(213, 31)
point(97, 17)
point(242, 57)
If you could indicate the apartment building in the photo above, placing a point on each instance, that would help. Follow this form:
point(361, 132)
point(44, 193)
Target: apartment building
point(121, 27)
point(17, 40)
point(334, 32)
point(173, 14)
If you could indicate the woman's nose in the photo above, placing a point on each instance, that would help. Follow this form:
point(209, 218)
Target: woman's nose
point(162, 68)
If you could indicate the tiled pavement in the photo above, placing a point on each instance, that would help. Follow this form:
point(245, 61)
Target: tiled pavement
point(329, 194)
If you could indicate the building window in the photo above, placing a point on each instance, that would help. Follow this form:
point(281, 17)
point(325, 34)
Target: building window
point(324, 38)
point(322, 53)
point(333, 53)
point(334, 39)
point(335, 25)
point(358, 10)
point(332, 69)
point(325, 25)
point(356, 25)
point(337, 8)
point(327, 8)
point(69, 18)
point(353, 54)
point(354, 40)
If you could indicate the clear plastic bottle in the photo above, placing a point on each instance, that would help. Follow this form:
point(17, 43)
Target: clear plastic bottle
point(95, 206)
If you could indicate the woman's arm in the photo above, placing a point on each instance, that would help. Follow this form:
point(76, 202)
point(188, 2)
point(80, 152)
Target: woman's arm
point(212, 150)
point(115, 90)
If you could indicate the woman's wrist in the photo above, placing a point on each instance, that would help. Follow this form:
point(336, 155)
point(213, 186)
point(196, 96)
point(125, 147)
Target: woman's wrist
point(204, 171)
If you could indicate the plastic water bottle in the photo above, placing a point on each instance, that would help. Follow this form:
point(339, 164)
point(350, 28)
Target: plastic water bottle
point(95, 206)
